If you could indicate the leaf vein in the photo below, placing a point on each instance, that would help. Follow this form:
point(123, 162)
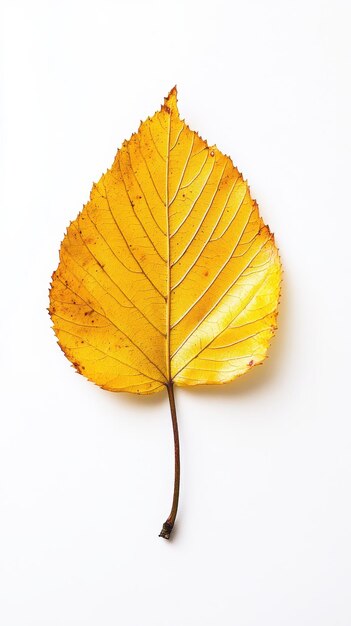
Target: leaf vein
point(224, 329)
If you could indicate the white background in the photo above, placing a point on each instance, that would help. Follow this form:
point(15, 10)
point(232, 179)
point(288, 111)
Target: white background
point(263, 537)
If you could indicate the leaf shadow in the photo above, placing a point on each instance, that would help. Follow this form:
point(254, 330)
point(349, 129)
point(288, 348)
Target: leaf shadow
point(139, 402)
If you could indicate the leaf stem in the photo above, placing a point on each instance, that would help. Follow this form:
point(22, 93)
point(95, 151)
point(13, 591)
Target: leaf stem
point(169, 523)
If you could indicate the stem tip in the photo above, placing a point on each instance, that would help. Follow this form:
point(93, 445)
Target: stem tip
point(166, 530)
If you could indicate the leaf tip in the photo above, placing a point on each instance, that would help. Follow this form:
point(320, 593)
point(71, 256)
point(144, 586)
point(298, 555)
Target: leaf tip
point(170, 102)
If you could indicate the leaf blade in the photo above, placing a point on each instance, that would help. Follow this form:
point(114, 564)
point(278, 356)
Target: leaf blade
point(168, 273)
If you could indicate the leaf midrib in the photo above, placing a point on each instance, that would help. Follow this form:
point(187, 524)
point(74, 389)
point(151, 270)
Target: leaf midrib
point(168, 290)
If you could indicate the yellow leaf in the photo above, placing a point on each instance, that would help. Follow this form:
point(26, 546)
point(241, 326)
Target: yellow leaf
point(168, 274)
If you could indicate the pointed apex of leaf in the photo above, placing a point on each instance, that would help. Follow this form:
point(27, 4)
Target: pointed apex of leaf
point(170, 104)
